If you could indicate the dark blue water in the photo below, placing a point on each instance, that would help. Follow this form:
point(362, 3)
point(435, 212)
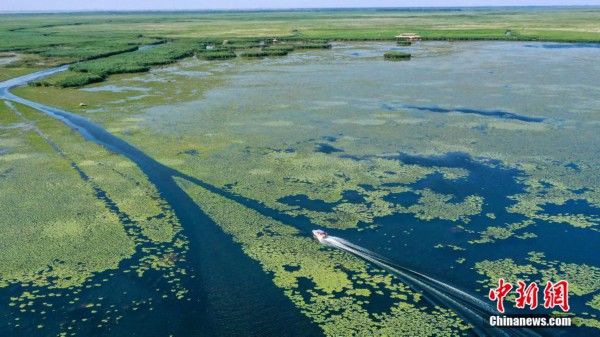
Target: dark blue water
point(303, 201)
point(564, 45)
point(501, 114)
point(411, 242)
point(572, 207)
point(403, 198)
point(326, 148)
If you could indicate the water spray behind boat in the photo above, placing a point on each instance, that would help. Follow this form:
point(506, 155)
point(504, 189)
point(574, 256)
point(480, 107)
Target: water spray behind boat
point(471, 309)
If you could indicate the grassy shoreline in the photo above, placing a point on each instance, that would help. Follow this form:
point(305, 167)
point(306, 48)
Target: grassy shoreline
point(101, 44)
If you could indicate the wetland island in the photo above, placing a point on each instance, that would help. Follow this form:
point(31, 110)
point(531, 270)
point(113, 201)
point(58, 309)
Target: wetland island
point(299, 172)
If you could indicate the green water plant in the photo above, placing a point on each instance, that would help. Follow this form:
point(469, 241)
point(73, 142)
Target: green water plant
point(137, 61)
point(216, 54)
point(394, 55)
point(286, 47)
point(339, 285)
point(263, 53)
point(69, 79)
point(313, 45)
point(88, 211)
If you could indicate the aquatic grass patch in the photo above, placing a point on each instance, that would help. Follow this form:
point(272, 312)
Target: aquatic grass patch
point(89, 51)
point(35, 61)
point(122, 181)
point(133, 217)
point(263, 53)
point(243, 45)
point(8, 117)
point(68, 79)
point(314, 45)
point(7, 73)
point(325, 178)
point(140, 60)
point(540, 196)
point(396, 55)
point(137, 61)
point(332, 288)
point(495, 233)
point(493, 270)
point(94, 99)
point(216, 54)
point(70, 99)
point(594, 302)
point(135, 232)
point(56, 48)
point(286, 47)
point(66, 235)
point(433, 205)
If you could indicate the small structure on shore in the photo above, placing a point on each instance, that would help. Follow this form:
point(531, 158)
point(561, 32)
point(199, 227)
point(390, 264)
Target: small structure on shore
point(408, 37)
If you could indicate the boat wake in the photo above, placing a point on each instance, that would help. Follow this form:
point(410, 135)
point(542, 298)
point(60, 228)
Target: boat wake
point(473, 310)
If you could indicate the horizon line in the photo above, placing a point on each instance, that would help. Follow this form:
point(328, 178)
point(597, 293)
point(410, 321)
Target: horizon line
point(276, 9)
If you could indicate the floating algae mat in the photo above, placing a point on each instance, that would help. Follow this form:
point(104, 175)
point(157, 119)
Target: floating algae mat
point(472, 162)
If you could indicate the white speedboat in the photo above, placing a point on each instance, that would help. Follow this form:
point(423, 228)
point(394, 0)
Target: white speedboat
point(319, 234)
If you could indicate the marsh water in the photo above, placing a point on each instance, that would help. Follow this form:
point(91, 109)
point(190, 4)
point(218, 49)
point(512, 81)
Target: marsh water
point(486, 108)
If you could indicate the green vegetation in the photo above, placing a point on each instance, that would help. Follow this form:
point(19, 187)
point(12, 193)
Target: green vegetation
point(341, 285)
point(396, 55)
point(73, 232)
point(404, 43)
point(259, 150)
point(594, 302)
point(433, 205)
point(495, 233)
point(66, 38)
point(67, 234)
point(97, 70)
point(72, 46)
point(264, 53)
point(88, 51)
point(127, 61)
point(241, 44)
point(323, 45)
point(216, 54)
point(545, 191)
point(24, 32)
point(286, 47)
point(137, 61)
point(69, 79)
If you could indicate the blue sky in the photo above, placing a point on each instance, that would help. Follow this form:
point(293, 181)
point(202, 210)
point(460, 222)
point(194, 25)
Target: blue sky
point(57, 5)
